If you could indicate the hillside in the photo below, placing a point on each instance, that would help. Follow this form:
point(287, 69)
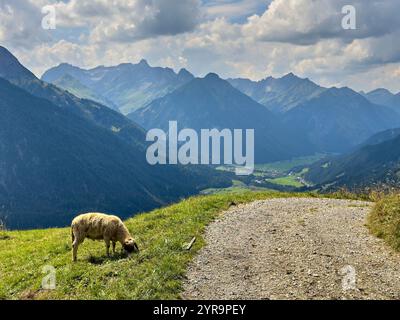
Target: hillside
point(339, 119)
point(54, 164)
point(62, 155)
point(381, 137)
point(100, 115)
point(211, 102)
point(368, 167)
point(165, 269)
point(128, 86)
point(155, 273)
point(72, 85)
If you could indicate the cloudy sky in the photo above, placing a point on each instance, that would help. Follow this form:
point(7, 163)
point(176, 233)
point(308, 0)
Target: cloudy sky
point(234, 38)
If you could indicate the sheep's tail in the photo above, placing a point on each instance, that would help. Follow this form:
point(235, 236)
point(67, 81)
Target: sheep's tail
point(72, 235)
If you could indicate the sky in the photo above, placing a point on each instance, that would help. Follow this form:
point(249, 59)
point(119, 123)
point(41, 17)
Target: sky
point(235, 38)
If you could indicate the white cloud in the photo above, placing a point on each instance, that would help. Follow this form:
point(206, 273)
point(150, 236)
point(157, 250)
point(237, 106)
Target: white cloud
point(384, 76)
point(233, 9)
point(288, 37)
point(124, 21)
point(308, 21)
point(20, 24)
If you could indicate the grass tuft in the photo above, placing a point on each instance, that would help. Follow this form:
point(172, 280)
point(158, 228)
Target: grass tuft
point(384, 220)
point(363, 195)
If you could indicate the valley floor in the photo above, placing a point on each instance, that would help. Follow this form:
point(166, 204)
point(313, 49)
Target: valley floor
point(302, 248)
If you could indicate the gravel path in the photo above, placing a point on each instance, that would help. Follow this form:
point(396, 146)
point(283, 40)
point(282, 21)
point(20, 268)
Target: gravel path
point(301, 248)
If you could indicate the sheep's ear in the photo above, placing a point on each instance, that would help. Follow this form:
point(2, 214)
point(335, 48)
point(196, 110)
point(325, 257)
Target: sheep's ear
point(136, 246)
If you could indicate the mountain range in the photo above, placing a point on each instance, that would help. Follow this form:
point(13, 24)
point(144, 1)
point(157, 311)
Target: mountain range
point(61, 155)
point(212, 102)
point(303, 117)
point(74, 140)
point(333, 119)
point(127, 86)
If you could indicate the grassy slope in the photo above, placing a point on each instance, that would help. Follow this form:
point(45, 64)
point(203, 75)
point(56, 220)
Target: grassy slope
point(384, 220)
point(154, 273)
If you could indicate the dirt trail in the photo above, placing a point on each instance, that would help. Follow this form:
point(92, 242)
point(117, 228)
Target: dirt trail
point(301, 248)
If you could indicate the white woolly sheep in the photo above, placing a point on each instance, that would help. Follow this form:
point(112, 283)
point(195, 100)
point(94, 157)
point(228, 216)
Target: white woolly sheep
point(99, 226)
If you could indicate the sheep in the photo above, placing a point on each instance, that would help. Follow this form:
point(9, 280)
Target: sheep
point(99, 226)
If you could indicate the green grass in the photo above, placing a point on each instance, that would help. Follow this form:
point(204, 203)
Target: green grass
point(237, 187)
point(287, 181)
point(234, 190)
point(384, 220)
point(155, 273)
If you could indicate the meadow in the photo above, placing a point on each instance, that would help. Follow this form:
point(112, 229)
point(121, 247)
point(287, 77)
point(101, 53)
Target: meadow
point(156, 272)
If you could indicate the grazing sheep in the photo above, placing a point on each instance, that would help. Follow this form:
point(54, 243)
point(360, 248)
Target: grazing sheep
point(98, 226)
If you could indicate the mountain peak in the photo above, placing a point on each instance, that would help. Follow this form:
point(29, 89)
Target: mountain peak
point(290, 75)
point(59, 71)
point(184, 71)
point(143, 63)
point(212, 76)
point(269, 78)
point(291, 78)
point(65, 65)
point(10, 68)
point(380, 91)
point(5, 54)
point(185, 74)
point(342, 90)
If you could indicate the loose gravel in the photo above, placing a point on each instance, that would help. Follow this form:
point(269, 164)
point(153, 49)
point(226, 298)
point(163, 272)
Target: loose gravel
point(294, 248)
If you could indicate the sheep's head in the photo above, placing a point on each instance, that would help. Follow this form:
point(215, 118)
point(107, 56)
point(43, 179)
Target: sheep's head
point(130, 246)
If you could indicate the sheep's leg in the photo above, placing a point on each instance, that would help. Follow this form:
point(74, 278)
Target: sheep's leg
point(107, 241)
point(75, 246)
point(113, 247)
